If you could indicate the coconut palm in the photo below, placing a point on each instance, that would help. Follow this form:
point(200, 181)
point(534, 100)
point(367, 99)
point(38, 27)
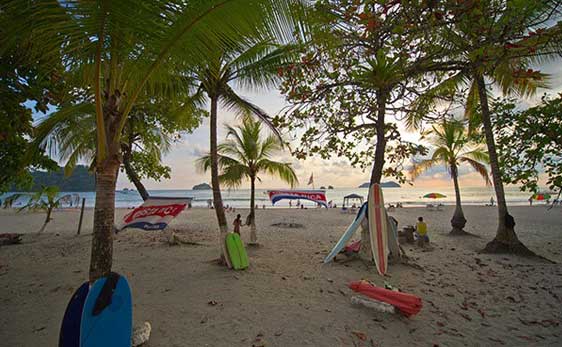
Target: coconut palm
point(453, 146)
point(69, 136)
point(493, 43)
point(245, 156)
point(250, 65)
point(45, 199)
point(117, 51)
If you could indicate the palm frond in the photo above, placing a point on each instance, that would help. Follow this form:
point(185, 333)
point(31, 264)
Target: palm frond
point(478, 167)
point(282, 170)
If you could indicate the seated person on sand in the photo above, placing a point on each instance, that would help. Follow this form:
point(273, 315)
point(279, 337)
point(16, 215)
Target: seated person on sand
point(421, 232)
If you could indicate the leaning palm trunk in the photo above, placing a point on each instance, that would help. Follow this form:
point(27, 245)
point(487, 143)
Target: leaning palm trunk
point(217, 198)
point(506, 240)
point(253, 235)
point(47, 220)
point(133, 176)
point(376, 174)
point(458, 221)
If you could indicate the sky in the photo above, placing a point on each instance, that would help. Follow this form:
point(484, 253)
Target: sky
point(336, 172)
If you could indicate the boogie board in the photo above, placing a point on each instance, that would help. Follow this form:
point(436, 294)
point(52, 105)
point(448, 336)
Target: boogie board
point(236, 251)
point(407, 304)
point(70, 328)
point(393, 244)
point(378, 228)
point(107, 319)
point(344, 239)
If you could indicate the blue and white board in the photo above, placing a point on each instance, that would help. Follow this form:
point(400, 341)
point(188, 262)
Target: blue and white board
point(113, 327)
point(70, 328)
point(344, 239)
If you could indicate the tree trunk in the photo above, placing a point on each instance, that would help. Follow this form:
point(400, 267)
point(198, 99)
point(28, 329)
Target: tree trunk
point(506, 240)
point(217, 198)
point(47, 220)
point(253, 236)
point(376, 174)
point(104, 218)
point(132, 175)
point(458, 221)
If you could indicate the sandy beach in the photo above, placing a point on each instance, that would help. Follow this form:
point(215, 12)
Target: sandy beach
point(288, 297)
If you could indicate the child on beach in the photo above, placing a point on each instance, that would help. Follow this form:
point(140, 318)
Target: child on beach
point(237, 223)
point(421, 230)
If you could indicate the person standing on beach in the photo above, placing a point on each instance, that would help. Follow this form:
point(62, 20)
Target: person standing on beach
point(421, 230)
point(531, 201)
point(492, 201)
point(237, 223)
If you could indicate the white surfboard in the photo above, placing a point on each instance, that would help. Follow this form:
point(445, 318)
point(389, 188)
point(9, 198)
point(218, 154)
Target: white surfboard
point(344, 239)
point(378, 228)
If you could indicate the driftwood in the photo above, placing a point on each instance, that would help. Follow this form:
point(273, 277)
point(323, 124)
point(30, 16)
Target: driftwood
point(10, 239)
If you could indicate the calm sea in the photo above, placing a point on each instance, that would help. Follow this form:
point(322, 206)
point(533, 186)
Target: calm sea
point(411, 196)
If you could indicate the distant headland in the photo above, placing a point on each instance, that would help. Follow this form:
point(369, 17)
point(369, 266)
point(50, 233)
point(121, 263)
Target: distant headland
point(202, 186)
point(389, 184)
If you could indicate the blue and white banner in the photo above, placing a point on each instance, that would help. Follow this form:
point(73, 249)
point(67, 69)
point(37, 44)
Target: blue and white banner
point(155, 213)
point(317, 196)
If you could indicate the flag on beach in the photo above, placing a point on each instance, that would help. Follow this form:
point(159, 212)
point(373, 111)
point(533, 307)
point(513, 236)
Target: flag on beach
point(155, 213)
point(311, 179)
point(318, 196)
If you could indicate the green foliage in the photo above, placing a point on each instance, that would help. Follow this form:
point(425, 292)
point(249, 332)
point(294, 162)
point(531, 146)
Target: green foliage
point(21, 82)
point(245, 155)
point(355, 79)
point(529, 142)
point(81, 180)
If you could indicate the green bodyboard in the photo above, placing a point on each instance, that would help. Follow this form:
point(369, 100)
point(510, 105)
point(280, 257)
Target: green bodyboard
point(236, 251)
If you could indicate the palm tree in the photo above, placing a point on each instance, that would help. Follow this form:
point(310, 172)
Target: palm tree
point(245, 156)
point(453, 147)
point(494, 42)
point(45, 199)
point(116, 51)
point(251, 64)
point(69, 136)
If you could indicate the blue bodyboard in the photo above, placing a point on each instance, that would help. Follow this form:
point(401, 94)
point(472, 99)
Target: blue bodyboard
point(70, 328)
point(344, 239)
point(113, 326)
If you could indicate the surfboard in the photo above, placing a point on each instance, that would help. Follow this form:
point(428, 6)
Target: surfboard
point(70, 328)
point(236, 251)
point(393, 245)
point(378, 228)
point(107, 319)
point(344, 239)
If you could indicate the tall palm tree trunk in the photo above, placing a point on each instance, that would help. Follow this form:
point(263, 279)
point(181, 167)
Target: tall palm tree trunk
point(506, 240)
point(104, 218)
point(132, 175)
point(376, 174)
point(217, 198)
point(458, 221)
point(253, 235)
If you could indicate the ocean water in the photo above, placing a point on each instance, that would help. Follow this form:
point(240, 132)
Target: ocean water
point(240, 198)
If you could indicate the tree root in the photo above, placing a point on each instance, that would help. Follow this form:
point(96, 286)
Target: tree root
point(515, 247)
point(461, 232)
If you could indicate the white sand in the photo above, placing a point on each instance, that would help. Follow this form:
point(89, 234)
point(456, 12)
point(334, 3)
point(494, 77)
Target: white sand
point(287, 297)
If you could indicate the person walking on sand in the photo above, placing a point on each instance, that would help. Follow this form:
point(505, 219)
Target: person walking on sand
point(237, 223)
point(421, 231)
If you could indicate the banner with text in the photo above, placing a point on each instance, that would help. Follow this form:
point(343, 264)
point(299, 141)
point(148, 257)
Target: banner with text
point(317, 196)
point(155, 213)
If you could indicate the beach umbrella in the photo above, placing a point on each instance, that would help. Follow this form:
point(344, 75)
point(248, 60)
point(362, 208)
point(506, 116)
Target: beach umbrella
point(434, 196)
point(540, 196)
